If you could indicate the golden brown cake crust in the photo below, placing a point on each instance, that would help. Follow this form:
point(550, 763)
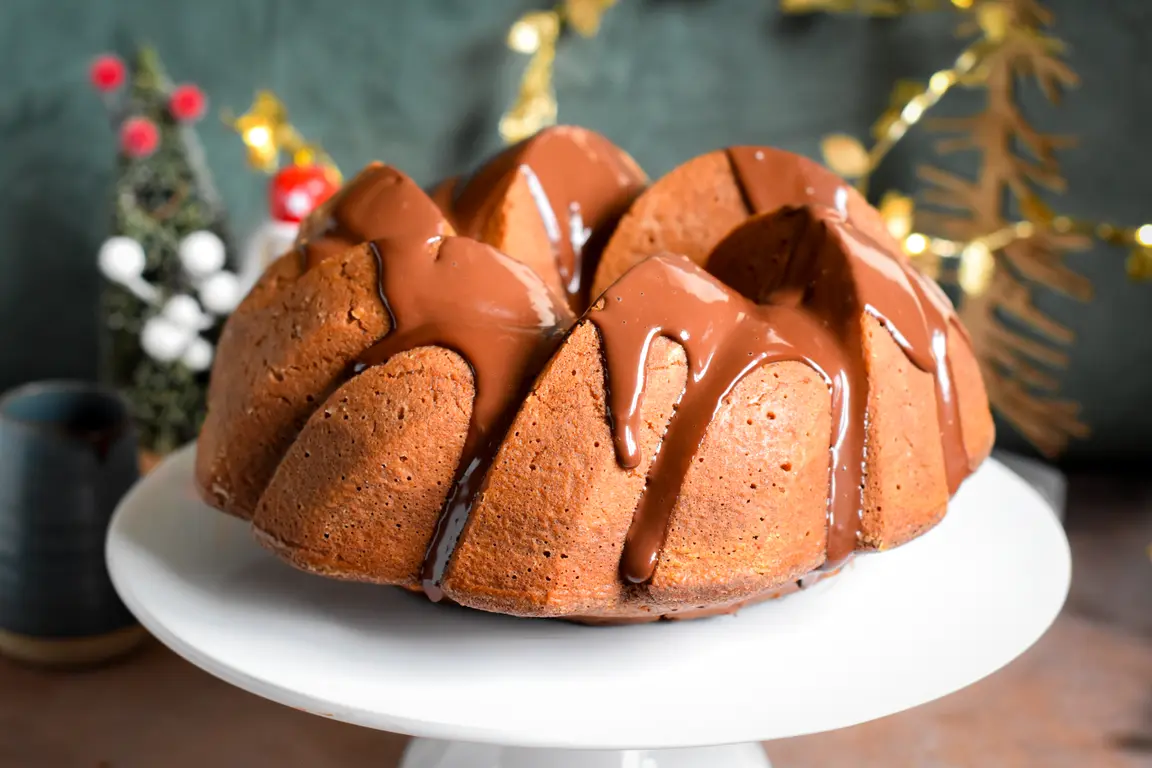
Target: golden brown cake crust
point(546, 535)
point(284, 349)
point(515, 229)
point(752, 516)
point(287, 345)
point(360, 490)
point(221, 481)
point(750, 519)
point(347, 473)
point(905, 489)
point(685, 212)
point(550, 202)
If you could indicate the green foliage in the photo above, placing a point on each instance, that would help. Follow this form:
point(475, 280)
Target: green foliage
point(159, 199)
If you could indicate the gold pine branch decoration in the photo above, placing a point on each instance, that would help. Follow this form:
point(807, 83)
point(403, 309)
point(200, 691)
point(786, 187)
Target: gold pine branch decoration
point(537, 34)
point(1017, 368)
point(910, 103)
point(964, 236)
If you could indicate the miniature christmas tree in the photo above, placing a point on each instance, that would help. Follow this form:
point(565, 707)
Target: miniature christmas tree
point(166, 288)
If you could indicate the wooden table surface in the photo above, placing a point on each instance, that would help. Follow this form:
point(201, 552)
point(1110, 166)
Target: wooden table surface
point(1081, 697)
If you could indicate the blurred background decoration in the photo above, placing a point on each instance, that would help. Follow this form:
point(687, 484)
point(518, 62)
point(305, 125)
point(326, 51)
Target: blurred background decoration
point(166, 286)
point(309, 178)
point(965, 238)
point(537, 33)
point(1040, 255)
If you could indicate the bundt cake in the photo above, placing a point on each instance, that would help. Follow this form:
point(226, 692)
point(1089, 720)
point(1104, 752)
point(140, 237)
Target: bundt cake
point(422, 394)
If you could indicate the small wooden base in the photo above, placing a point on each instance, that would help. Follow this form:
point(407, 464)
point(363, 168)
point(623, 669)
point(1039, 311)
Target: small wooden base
point(71, 651)
point(147, 460)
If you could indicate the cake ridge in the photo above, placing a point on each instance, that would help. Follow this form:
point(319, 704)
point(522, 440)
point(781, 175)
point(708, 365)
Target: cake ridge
point(579, 183)
point(505, 334)
point(380, 201)
point(725, 337)
point(891, 289)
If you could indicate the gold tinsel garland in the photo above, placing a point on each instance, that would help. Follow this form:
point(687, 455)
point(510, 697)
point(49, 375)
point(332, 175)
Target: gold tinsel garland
point(997, 262)
point(268, 135)
point(993, 261)
point(911, 100)
point(537, 34)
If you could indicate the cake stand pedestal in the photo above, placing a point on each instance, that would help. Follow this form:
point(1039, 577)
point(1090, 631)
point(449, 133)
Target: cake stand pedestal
point(893, 631)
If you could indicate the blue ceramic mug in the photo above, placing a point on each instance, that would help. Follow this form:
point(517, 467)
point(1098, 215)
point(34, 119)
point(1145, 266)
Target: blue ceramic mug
point(67, 456)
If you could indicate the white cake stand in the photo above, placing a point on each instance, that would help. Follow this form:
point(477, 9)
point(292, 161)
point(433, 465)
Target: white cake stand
point(894, 631)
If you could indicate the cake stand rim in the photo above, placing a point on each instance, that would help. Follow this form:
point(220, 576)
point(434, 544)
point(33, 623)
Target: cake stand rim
point(180, 463)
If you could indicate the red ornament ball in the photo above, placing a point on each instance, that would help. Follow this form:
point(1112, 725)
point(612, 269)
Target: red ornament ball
point(187, 103)
point(107, 72)
point(139, 137)
point(297, 190)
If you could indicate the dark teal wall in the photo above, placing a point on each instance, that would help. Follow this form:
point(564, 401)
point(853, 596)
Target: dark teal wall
point(422, 84)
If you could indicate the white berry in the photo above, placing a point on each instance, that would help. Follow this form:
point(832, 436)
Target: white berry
point(220, 293)
point(164, 340)
point(198, 356)
point(298, 203)
point(184, 311)
point(202, 253)
point(121, 259)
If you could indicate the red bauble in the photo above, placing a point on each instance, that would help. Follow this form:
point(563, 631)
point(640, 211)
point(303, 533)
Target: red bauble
point(296, 190)
point(187, 103)
point(107, 72)
point(139, 137)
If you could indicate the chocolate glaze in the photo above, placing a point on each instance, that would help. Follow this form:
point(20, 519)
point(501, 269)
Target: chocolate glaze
point(581, 184)
point(379, 202)
point(913, 308)
point(810, 262)
point(444, 193)
point(813, 273)
point(505, 331)
point(725, 337)
point(786, 260)
point(449, 292)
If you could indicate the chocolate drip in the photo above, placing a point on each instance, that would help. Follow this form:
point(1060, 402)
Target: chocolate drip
point(941, 316)
point(725, 337)
point(580, 184)
point(814, 259)
point(811, 261)
point(912, 308)
point(496, 314)
point(380, 202)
